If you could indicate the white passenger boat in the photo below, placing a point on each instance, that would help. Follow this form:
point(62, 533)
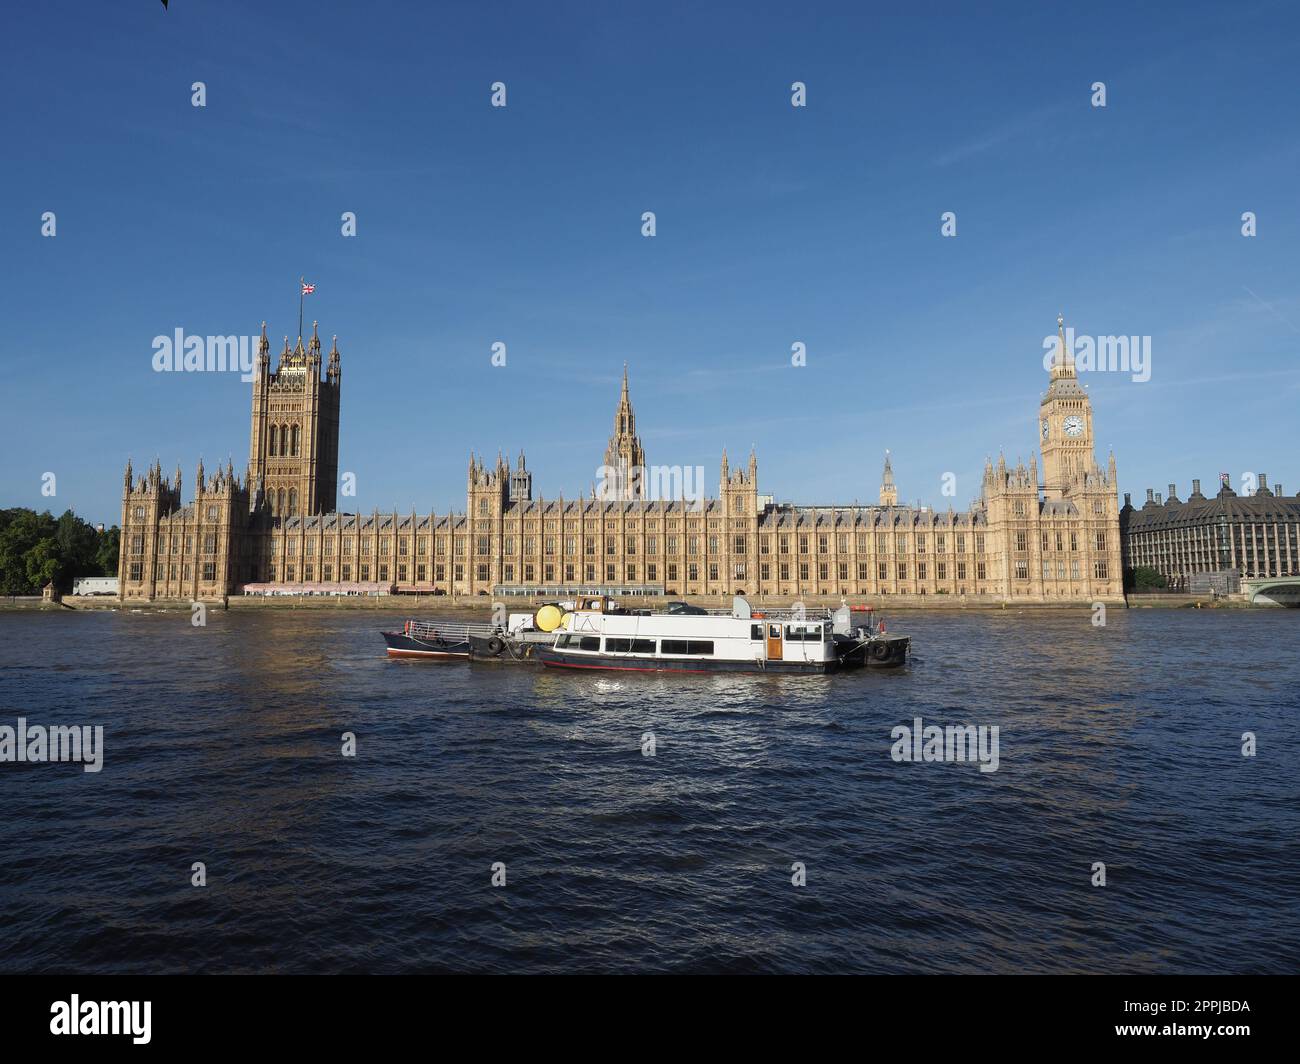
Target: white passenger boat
point(596, 634)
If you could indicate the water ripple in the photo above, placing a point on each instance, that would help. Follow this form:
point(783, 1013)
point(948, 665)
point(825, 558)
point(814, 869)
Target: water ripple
point(1119, 745)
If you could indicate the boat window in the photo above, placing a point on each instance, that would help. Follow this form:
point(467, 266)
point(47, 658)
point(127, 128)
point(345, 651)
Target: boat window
point(756, 633)
point(811, 633)
point(589, 642)
point(634, 646)
point(562, 642)
point(687, 646)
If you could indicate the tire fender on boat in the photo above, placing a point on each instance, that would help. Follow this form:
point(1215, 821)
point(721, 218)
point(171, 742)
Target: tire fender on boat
point(495, 645)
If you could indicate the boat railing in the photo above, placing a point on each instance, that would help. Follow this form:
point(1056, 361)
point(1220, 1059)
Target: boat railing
point(450, 631)
point(817, 613)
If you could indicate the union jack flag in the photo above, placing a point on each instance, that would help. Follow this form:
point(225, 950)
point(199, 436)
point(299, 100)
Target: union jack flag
point(308, 289)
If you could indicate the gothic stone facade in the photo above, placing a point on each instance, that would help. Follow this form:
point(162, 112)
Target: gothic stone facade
point(1022, 541)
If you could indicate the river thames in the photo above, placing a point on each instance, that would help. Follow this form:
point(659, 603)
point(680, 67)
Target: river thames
point(1119, 745)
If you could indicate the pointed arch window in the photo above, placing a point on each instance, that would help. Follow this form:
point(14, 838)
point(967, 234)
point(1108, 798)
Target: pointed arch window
point(275, 436)
point(294, 452)
point(293, 502)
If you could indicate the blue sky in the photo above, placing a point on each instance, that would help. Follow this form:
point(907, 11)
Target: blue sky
point(523, 225)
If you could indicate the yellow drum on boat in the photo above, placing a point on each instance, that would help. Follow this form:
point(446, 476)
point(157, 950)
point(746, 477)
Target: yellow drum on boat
point(548, 618)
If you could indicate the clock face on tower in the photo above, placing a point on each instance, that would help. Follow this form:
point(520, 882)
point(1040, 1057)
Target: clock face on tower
point(1073, 425)
point(1045, 428)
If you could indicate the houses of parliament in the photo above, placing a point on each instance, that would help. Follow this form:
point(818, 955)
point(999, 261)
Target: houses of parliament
point(1048, 535)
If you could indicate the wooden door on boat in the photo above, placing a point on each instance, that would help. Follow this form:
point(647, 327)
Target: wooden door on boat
point(773, 642)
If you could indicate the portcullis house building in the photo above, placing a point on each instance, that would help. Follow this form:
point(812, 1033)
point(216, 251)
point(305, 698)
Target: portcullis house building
point(1213, 543)
point(1029, 538)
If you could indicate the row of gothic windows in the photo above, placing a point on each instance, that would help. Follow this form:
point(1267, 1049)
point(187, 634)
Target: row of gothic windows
point(284, 441)
point(283, 505)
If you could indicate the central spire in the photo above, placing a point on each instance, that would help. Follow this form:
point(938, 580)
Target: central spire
point(624, 465)
point(1063, 361)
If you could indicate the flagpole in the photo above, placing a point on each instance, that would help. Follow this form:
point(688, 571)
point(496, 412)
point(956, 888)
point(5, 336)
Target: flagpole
point(301, 281)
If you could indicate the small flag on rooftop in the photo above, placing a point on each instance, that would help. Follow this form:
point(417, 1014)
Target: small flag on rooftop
point(307, 289)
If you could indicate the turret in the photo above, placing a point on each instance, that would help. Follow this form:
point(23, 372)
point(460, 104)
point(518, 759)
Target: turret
point(888, 489)
point(334, 371)
point(263, 354)
point(521, 482)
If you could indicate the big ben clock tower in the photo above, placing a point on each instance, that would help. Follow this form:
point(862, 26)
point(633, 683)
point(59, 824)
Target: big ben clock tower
point(1064, 425)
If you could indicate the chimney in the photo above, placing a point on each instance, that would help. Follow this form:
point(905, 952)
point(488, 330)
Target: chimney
point(1196, 487)
point(1263, 483)
point(1159, 500)
point(1277, 490)
point(1151, 495)
point(1128, 499)
point(1172, 491)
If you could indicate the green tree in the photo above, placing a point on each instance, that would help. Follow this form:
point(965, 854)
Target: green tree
point(23, 529)
point(42, 563)
point(36, 548)
point(78, 546)
point(1147, 579)
point(106, 554)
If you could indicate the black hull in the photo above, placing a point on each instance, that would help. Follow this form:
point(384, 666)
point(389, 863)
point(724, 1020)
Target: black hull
point(401, 645)
point(882, 652)
point(507, 651)
point(559, 659)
